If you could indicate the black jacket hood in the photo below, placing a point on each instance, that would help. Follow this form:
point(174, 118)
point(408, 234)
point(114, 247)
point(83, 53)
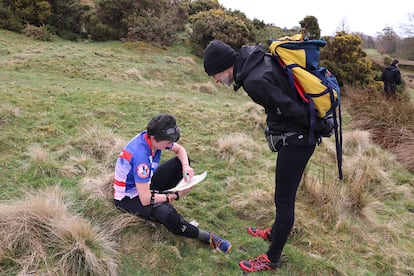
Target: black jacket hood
point(267, 84)
point(249, 57)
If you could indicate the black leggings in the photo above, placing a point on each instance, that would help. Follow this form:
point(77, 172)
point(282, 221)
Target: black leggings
point(290, 164)
point(165, 177)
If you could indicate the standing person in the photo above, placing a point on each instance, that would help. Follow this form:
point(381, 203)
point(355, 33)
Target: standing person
point(140, 180)
point(266, 82)
point(391, 77)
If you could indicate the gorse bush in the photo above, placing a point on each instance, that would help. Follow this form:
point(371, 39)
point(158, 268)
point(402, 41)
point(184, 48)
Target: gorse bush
point(16, 14)
point(154, 21)
point(197, 6)
point(219, 24)
point(62, 17)
point(344, 56)
point(159, 24)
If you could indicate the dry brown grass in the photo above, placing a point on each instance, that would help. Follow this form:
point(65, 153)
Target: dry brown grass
point(80, 155)
point(42, 236)
point(99, 187)
point(357, 205)
point(204, 87)
point(99, 142)
point(41, 161)
point(367, 179)
point(390, 122)
point(8, 112)
point(252, 115)
point(238, 146)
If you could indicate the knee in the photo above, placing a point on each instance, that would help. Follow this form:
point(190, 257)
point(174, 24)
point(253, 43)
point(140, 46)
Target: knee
point(170, 218)
point(176, 224)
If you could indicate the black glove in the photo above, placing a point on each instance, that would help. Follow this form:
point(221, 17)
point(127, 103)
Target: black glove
point(325, 127)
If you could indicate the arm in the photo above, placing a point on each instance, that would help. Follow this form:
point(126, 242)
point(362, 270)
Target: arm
point(397, 77)
point(274, 99)
point(181, 154)
point(144, 193)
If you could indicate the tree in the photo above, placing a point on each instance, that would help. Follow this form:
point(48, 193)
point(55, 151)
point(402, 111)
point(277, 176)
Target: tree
point(310, 27)
point(409, 28)
point(405, 48)
point(343, 26)
point(387, 41)
point(367, 41)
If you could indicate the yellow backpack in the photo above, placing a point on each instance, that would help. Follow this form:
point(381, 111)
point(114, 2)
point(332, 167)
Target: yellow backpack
point(315, 85)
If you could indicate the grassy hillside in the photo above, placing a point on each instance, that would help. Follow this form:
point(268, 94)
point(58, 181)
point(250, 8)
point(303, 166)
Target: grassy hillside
point(67, 109)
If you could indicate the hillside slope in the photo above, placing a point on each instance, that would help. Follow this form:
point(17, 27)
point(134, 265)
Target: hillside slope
point(67, 109)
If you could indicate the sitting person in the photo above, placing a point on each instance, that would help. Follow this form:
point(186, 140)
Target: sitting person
point(141, 182)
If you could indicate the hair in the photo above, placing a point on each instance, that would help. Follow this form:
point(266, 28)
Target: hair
point(164, 128)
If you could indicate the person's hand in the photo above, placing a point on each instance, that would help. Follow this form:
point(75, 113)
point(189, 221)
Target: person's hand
point(180, 194)
point(188, 173)
point(325, 126)
point(184, 192)
point(328, 127)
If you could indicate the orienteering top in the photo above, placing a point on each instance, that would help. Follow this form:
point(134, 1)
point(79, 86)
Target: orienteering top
point(135, 164)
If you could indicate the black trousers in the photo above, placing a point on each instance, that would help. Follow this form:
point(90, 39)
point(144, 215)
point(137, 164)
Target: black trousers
point(290, 164)
point(165, 177)
point(389, 89)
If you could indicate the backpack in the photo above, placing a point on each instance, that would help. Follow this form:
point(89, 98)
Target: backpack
point(315, 85)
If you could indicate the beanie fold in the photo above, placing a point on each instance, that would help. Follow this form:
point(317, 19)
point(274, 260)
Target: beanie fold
point(217, 57)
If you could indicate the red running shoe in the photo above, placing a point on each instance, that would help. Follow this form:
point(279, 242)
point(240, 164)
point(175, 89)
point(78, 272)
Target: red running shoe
point(262, 233)
point(261, 263)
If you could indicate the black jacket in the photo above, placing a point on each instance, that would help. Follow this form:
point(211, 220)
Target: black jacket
point(392, 75)
point(266, 82)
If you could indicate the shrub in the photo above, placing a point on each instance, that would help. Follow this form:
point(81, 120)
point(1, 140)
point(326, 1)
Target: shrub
point(159, 24)
point(152, 21)
point(67, 18)
point(39, 33)
point(218, 24)
point(16, 14)
point(202, 5)
point(344, 56)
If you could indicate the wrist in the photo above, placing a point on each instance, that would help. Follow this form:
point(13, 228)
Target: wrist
point(167, 197)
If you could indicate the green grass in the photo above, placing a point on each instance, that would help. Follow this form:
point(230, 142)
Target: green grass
point(67, 109)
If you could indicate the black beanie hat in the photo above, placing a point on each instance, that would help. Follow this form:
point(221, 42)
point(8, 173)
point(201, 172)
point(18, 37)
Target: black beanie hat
point(217, 57)
point(394, 62)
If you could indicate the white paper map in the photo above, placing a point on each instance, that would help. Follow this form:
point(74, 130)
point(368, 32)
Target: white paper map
point(182, 185)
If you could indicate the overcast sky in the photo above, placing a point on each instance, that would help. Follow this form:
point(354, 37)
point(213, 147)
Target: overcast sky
point(366, 16)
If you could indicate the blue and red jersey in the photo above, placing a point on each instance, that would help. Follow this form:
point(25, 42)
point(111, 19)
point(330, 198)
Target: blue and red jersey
point(135, 164)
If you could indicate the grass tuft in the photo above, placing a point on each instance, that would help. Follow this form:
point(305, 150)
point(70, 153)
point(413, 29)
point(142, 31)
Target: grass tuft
point(69, 107)
point(237, 146)
point(42, 235)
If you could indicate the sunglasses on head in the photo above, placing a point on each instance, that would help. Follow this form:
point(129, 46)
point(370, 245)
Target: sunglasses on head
point(171, 130)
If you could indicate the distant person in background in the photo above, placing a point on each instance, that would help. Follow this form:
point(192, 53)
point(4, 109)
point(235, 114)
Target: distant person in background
point(391, 77)
point(141, 181)
point(267, 84)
